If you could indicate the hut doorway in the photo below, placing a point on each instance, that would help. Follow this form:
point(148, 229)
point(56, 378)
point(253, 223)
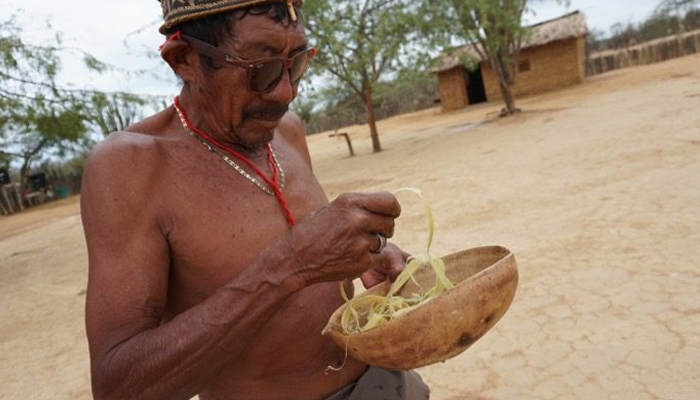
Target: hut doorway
point(476, 93)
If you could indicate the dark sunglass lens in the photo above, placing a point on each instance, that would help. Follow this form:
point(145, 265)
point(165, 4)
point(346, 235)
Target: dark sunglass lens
point(299, 66)
point(267, 75)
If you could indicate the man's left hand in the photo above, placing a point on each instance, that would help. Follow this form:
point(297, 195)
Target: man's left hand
point(394, 263)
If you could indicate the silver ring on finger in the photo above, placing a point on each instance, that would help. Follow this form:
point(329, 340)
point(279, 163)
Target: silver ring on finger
point(382, 244)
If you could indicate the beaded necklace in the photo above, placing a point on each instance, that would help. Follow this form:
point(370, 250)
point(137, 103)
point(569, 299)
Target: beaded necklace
point(276, 183)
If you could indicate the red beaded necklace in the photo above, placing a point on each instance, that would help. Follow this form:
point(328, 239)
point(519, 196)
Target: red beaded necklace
point(273, 183)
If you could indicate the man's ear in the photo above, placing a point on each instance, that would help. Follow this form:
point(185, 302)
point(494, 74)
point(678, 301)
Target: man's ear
point(183, 60)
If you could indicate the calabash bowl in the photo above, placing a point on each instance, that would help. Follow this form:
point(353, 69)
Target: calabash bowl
point(485, 281)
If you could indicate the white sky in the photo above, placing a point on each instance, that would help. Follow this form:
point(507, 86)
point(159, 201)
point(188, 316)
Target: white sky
point(121, 32)
point(600, 14)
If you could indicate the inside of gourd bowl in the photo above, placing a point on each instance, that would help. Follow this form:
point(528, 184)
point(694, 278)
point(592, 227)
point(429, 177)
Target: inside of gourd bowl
point(485, 280)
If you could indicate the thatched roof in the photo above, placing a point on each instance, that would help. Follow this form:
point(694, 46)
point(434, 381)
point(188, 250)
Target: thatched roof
point(565, 27)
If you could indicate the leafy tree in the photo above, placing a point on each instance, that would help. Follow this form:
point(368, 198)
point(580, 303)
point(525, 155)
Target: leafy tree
point(45, 131)
point(111, 112)
point(677, 9)
point(35, 113)
point(495, 27)
point(595, 41)
point(692, 19)
point(623, 35)
point(334, 107)
point(412, 89)
point(656, 26)
point(361, 43)
point(38, 115)
point(670, 17)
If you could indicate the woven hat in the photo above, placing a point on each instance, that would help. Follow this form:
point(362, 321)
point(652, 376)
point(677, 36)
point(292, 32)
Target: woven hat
point(178, 11)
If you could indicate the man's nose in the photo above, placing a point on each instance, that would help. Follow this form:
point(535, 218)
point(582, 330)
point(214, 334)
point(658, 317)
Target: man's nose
point(283, 92)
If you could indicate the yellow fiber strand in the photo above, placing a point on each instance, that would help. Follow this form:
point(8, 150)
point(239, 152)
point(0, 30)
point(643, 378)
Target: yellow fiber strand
point(368, 312)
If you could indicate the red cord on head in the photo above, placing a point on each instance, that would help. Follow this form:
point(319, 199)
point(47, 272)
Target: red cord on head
point(273, 183)
point(175, 36)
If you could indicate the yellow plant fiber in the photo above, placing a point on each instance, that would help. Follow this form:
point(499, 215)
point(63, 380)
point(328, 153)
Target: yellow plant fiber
point(368, 312)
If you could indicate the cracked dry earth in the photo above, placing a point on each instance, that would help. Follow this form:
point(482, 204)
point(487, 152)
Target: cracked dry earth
point(596, 189)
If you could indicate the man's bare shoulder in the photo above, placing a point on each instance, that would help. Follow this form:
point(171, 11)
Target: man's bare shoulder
point(120, 152)
point(291, 128)
point(291, 124)
point(158, 124)
point(138, 142)
point(123, 174)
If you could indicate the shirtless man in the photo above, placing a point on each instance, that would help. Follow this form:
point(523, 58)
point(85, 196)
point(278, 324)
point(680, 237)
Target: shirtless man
point(205, 277)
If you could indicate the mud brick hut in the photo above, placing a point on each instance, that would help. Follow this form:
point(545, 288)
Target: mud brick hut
point(551, 57)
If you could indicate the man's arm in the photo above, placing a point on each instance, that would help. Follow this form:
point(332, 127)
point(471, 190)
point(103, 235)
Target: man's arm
point(133, 356)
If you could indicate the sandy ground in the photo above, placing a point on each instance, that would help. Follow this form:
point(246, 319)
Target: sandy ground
point(596, 189)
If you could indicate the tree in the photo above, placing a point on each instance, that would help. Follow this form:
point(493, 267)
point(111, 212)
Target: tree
point(362, 42)
point(38, 115)
point(692, 19)
point(495, 29)
point(112, 112)
point(670, 17)
point(623, 35)
point(48, 131)
point(656, 26)
point(497, 26)
point(678, 9)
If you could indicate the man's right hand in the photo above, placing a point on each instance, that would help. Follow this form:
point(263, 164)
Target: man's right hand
point(338, 241)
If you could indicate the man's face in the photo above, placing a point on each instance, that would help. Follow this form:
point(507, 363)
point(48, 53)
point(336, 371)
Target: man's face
point(247, 117)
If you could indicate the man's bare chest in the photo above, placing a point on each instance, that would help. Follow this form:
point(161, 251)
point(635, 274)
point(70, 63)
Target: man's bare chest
point(219, 222)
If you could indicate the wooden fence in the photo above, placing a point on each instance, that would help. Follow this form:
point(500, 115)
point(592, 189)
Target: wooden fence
point(644, 53)
point(56, 185)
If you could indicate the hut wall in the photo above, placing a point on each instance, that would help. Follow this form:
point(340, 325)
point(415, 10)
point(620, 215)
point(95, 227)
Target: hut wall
point(540, 69)
point(453, 89)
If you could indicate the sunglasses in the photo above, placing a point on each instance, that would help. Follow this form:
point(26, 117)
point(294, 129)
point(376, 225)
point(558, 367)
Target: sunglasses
point(264, 73)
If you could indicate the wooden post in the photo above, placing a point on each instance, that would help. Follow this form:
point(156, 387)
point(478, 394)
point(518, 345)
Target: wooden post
point(19, 196)
point(347, 139)
point(3, 210)
point(5, 189)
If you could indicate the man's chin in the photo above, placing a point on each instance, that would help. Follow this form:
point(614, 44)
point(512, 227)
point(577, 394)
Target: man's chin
point(258, 134)
point(263, 124)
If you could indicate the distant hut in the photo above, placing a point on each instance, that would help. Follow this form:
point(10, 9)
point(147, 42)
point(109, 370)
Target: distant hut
point(551, 57)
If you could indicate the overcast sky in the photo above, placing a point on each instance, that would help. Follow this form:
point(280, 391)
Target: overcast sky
point(121, 32)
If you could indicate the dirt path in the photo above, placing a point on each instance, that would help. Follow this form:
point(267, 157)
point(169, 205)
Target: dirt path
point(594, 188)
point(43, 352)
